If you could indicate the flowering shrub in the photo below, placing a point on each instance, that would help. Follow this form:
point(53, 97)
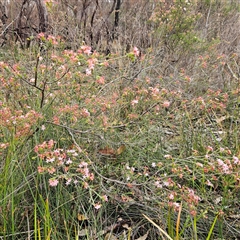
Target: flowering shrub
point(97, 137)
point(62, 165)
point(17, 124)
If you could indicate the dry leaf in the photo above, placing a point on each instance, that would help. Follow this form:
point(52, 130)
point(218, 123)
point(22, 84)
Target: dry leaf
point(126, 199)
point(109, 236)
point(83, 232)
point(218, 200)
point(126, 226)
point(144, 237)
point(121, 149)
point(82, 217)
point(219, 120)
point(107, 152)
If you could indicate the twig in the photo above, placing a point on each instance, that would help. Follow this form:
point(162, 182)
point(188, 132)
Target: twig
point(6, 28)
point(76, 144)
point(233, 74)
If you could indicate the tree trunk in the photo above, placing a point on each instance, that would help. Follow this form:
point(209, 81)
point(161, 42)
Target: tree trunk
point(43, 16)
point(116, 19)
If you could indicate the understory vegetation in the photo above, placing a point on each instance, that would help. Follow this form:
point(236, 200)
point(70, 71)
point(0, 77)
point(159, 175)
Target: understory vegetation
point(141, 141)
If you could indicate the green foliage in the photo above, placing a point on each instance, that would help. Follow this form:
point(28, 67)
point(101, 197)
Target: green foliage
point(95, 146)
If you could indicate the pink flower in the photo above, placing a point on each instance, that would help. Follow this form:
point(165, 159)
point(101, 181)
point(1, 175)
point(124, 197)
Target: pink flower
point(105, 198)
point(209, 183)
point(134, 102)
point(50, 144)
point(4, 145)
point(221, 149)
point(51, 170)
point(83, 164)
point(176, 206)
point(91, 63)
point(50, 160)
point(91, 176)
point(97, 206)
point(136, 51)
point(69, 161)
point(199, 164)
point(235, 160)
point(85, 185)
point(88, 72)
point(41, 36)
point(192, 197)
point(68, 181)
point(209, 148)
point(193, 213)
point(220, 162)
point(101, 80)
point(53, 182)
point(158, 184)
point(153, 164)
point(40, 169)
point(86, 49)
point(166, 183)
point(106, 63)
point(85, 173)
point(168, 156)
point(52, 40)
point(166, 104)
point(85, 112)
point(155, 91)
point(171, 196)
